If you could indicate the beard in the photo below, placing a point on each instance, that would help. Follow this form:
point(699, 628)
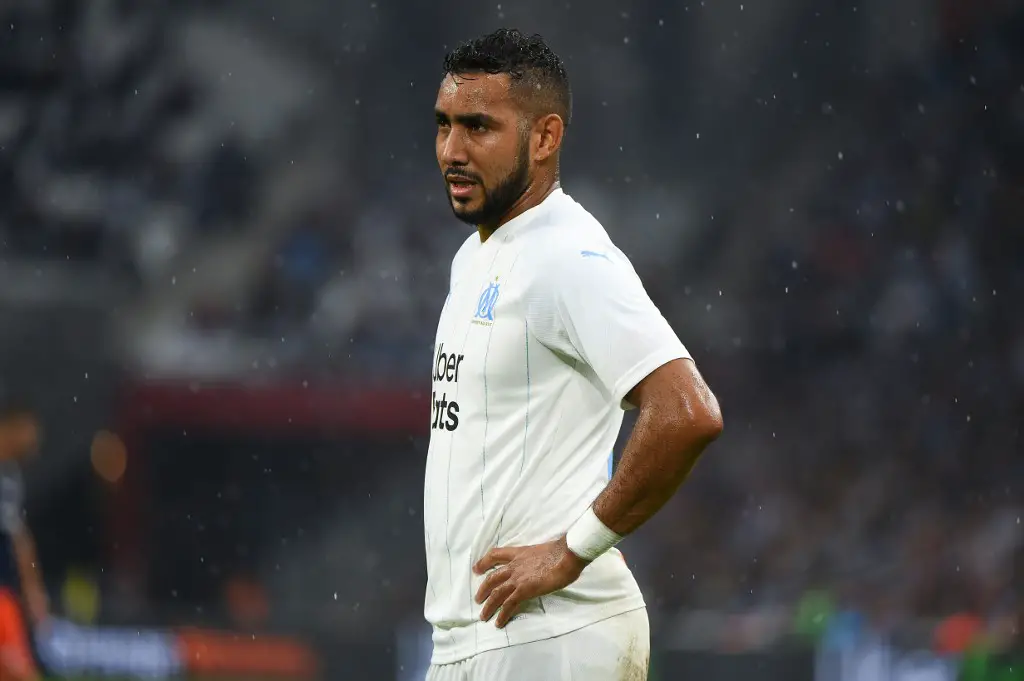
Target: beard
point(498, 200)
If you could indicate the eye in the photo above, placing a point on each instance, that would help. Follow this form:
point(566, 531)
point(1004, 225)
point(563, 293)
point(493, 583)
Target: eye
point(475, 124)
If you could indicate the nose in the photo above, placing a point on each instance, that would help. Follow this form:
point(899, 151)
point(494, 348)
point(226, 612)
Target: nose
point(451, 149)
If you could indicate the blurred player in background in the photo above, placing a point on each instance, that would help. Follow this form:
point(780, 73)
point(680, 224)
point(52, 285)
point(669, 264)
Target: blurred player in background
point(21, 585)
point(546, 335)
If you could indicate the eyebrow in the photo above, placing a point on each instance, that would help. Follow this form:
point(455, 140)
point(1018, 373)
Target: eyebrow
point(468, 120)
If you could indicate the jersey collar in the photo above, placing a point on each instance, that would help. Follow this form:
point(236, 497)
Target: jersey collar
point(508, 230)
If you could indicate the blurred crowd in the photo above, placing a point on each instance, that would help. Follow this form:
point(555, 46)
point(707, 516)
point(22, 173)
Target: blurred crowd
point(102, 156)
point(880, 460)
point(832, 223)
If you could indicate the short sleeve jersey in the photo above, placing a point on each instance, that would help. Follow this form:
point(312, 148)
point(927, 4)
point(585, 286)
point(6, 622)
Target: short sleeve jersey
point(545, 330)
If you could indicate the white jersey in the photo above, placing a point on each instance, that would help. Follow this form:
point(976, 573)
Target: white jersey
point(545, 329)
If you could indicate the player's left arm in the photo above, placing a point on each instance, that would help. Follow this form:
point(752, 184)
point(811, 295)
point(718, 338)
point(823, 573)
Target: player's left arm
point(36, 598)
point(679, 417)
point(26, 558)
point(592, 307)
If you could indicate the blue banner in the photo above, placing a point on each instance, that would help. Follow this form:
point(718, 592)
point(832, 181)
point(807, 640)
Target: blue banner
point(68, 649)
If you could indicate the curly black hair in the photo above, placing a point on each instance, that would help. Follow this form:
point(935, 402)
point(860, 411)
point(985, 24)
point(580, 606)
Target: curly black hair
point(535, 70)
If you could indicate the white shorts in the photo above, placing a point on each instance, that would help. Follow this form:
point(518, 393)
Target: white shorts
point(615, 649)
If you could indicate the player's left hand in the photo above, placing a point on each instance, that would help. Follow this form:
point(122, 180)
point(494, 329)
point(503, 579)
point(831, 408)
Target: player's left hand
point(521, 573)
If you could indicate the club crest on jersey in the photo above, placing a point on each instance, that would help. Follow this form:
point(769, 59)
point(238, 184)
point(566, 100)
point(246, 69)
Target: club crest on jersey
point(484, 313)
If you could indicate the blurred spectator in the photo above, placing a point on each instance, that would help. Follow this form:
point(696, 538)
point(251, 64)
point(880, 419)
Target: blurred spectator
point(21, 584)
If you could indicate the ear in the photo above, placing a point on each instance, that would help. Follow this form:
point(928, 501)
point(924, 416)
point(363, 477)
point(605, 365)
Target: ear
point(547, 136)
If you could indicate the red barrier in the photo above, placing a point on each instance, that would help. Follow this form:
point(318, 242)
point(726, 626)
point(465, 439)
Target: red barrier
point(208, 652)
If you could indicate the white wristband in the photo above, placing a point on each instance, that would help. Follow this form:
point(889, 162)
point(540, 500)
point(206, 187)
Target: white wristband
point(588, 537)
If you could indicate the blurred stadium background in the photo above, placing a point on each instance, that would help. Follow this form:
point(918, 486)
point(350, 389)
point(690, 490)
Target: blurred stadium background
point(223, 246)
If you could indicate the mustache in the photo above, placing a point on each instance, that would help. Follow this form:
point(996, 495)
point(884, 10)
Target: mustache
point(456, 175)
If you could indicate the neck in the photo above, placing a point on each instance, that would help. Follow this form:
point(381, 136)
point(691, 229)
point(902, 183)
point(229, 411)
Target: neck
point(534, 194)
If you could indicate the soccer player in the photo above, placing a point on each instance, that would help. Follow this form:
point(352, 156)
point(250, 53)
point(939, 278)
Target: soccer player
point(546, 335)
point(20, 582)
